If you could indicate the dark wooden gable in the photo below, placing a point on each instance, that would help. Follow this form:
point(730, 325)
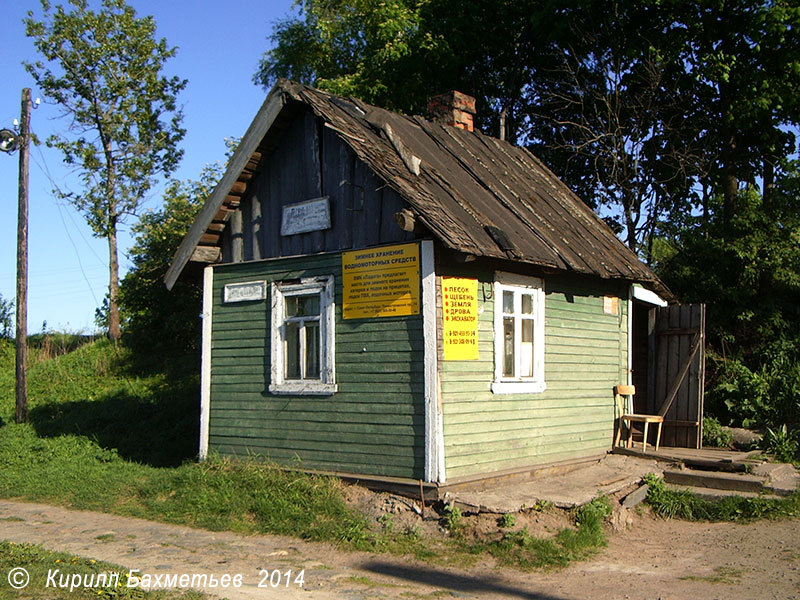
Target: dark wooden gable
point(307, 161)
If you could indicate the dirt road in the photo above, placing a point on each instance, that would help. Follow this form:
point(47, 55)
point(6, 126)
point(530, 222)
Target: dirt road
point(652, 559)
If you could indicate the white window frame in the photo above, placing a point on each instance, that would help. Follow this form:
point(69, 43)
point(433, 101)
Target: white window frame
point(279, 291)
point(519, 284)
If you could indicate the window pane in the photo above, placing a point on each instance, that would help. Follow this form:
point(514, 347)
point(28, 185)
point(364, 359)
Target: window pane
point(527, 304)
point(526, 349)
point(302, 306)
point(312, 350)
point(291, 306)
point(309, 305)
point(508, 347)
point(292, 350)
point(508, 303)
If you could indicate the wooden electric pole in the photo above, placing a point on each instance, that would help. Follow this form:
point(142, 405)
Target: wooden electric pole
point(22, 260)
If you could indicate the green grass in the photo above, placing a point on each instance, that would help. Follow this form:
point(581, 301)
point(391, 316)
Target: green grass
point(723, 575)
point(691, 507)
point(39, 563)
point(103, 438)
point(521, 550)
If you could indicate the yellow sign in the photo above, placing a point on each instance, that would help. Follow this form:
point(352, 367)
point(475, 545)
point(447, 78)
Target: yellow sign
point(381, 282)
point(460, 315)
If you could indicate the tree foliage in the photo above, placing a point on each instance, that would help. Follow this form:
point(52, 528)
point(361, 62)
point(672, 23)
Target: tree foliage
point(163, 327)
point(104, 70)
point(6, 318)
point(747, 268)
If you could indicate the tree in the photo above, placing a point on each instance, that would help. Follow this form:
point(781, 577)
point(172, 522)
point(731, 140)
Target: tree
point(162, 327)
point(748, 269)
point(741, 65)
point(6, 318)
point(104, 70)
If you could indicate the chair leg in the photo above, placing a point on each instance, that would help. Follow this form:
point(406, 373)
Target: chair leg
point(658, 435)
point(644, 439)
point(629, 444)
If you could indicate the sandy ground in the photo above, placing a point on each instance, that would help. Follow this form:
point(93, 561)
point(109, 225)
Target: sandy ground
point(649, 559)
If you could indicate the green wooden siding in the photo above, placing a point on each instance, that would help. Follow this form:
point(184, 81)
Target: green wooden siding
point(585, 356)
point(373, 425)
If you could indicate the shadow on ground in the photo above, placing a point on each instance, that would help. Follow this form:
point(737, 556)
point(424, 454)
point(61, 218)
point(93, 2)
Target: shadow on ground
point(160, 429)
point(483, 583)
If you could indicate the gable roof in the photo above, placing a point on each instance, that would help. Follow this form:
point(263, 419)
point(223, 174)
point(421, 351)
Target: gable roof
point(478, 195)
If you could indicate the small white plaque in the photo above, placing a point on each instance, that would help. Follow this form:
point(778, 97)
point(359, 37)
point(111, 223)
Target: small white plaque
point(311, 215)
point(245, 292)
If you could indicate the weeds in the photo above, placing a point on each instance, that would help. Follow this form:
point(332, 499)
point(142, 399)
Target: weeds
point(524, 551)
point(781, 444)
point(724, 575)
point(686, 505)
point(506, 521)
point(715, 435)
point(453, 518)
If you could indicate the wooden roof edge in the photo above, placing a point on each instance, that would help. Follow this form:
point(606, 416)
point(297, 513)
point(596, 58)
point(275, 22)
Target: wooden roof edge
point(247, 147)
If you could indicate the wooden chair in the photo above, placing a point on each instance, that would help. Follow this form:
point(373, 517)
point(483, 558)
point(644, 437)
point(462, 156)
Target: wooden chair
point(624, 399)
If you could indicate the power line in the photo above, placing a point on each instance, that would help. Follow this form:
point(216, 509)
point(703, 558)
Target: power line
point(46, 171)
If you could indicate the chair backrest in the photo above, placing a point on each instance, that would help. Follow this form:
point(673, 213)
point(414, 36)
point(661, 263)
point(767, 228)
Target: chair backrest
point(625, 390)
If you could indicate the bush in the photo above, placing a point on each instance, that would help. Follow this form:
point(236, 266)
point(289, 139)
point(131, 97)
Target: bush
point(767, 396)
point(715, 435)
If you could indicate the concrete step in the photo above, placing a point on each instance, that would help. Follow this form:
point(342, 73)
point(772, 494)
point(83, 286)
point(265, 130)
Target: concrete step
point(736, 482)
point(782, 479)
point(717, 494)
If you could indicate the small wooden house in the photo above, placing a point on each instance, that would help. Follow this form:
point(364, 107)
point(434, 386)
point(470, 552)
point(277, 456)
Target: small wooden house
point(391, 297)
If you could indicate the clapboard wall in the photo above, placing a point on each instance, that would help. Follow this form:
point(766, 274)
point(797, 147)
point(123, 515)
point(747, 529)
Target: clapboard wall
point(585, 356)
point(373, 425)
point(310, 161)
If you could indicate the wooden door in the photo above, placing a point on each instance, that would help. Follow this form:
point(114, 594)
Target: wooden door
point(677, 372)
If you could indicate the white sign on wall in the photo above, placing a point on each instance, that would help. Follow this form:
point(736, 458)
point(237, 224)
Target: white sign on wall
point(311, 215)
point(245, 292)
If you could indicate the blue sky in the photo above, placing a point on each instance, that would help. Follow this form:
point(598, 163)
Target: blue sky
point(219, 46)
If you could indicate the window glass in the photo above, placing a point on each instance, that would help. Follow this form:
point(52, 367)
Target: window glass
point(527, 304)
point(508, 302)
point(526, 349)
point(519, 334)
point(292, 355)
point(311, 356)
point(508, 347)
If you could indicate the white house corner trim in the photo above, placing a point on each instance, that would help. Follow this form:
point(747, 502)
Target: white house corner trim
point(434, 437)
point(629, 366)
point(205, 370)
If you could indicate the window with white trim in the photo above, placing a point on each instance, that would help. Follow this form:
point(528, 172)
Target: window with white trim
point(518, 334)
point(302, 337)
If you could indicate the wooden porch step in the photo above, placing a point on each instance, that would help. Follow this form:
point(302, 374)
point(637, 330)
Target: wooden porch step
point(735, 482)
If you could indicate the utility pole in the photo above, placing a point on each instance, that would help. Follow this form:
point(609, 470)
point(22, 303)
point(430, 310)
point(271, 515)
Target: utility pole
point(22, 260)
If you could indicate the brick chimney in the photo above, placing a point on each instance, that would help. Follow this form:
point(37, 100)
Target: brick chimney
point(452, 108)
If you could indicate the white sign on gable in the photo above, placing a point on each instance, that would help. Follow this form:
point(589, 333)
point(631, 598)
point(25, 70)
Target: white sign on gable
point(311, 215)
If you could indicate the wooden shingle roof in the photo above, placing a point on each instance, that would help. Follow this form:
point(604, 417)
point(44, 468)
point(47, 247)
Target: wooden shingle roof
point(479, 195)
